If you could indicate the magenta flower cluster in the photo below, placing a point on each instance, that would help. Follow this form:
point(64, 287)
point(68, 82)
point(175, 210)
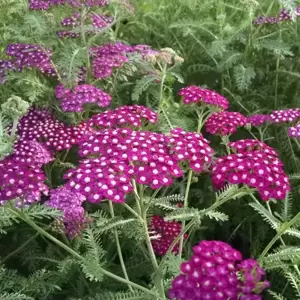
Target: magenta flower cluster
point(167, 232)
point(70, 204)
point(258, 120)
point(283, 15)
point(124, 116)
point(123, 154)
point(73, 100)
point(216, 271)
point(225, 123)
point(191, 147)
point(93, 19)
point(285, 115)
point(110, 56)
point(41, 126)
point(294, 131)
point(47, 4)
point(21, 181)
point(31, 152)
point(255, 164)
point(31, 56)
point(195, 94)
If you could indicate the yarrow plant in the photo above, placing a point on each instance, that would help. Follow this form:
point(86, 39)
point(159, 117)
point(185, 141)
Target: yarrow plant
point(113, 184)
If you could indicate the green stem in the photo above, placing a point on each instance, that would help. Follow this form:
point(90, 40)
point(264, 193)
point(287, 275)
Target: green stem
point(269, 246)
point(132, 211)
point(185, 205)
point(158, 280)
point(167, 118)
point(162, 82)
point(19, 248)
point(281, 239)
point(137, 197)
point(74, 253)
point(14, 128)
point(276, 82)
point(284, 227)
point(111, 208)
point(83, 38)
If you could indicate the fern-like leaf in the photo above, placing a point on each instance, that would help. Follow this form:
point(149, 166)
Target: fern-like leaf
point(243, 76)
point(91, 266)
point(266, 215)
point(277, 296)
point(14, 296)
point(135, 295)
point(182, 214)
point(141, 86)
point(168, 202)
point(216, 215)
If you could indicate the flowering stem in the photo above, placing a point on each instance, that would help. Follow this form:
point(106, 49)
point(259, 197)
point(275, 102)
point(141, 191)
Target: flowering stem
point(162, 82)
point(157, 278)
point(19, 248)
point(158, 281)
point(185, 205)
point(74, 253)
point(132, 211)
point(111, 208)
point(14, 128)
point(202, 118)
point(167, 118)
point(82, 34)
point(276, 82)
point(284, 227)
point(281, 239)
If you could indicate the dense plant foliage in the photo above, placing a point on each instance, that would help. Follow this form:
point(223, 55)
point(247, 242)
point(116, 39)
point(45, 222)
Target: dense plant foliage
point(149, 149)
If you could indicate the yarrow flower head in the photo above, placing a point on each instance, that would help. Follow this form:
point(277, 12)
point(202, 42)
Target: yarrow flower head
point(294, 131)
point(283, 16)
point(167, 232)
point(31, 56)
point(247, 145)
point(41, 126)
point(134, 115)
point(258, 120)
point(21, 181)
point(217, 271)
point(107, 57)
point(260, 169)
point(73, 100)
point(39, 4)
point(123, 154)
point(47, 4)
point(92, 19)
point(70, 204)
point(285, 115)
point(195, 94)
point(225, 122)
point(31, 152)
point(191, 147)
